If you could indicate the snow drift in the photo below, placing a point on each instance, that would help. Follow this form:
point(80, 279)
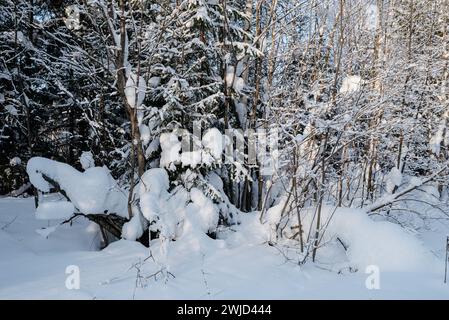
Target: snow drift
point(367, 242)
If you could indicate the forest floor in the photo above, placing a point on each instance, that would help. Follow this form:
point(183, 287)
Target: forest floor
point(240, 266)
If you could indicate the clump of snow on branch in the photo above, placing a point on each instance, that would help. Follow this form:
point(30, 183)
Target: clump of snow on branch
point(72, 21)
point(208, 150)
point(351, 84)
point(16, 161)
point(167, 211)
point(171, 148)
point(134, 228)
point(203, 210)
point(394, 179)
point(87, 160)
point(145, 134)
point(436, 140)
point(212, 142)
point(135, 90)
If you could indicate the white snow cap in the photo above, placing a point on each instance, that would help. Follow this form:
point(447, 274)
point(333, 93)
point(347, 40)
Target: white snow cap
point(87, 160)
point(394, 179)
point(131, 90)
point(154, 180)
point(171, 150)
point(16, 161)
point(351, 84)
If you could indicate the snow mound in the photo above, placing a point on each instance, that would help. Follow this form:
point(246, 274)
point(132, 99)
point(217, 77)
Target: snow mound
point(175, 213)
point(133, 229)
point(203, 211)
point(45, 232)
point(368, 242)
point(379, 243)
point(91, 192)
point(161, 208)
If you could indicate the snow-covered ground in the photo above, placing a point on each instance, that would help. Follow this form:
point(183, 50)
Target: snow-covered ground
point(239, 266)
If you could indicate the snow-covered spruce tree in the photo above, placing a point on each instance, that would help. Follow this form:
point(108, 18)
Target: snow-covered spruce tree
point(194, 86)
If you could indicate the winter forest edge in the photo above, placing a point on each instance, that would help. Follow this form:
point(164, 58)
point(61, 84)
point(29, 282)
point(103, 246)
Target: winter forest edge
point(203, 149)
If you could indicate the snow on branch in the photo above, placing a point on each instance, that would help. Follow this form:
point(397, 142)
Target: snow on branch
point(93, 191)
point(390, 198)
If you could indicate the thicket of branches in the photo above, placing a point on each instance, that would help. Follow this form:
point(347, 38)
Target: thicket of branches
point(357, 89)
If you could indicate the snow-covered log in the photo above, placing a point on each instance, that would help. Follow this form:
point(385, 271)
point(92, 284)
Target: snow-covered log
point(93, 191)
point(93, 194)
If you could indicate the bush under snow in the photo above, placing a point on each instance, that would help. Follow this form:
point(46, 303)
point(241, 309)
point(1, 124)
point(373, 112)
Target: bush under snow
point(93, 191)
point(367, 242)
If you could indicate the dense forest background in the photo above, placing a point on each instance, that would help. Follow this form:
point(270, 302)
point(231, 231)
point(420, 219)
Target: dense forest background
point(356, 89)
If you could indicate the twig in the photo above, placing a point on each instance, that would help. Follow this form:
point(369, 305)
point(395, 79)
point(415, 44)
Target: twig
point(9, 223)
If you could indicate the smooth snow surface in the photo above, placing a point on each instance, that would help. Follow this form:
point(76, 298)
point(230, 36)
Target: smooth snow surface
point(240, 265)
point(55, 210)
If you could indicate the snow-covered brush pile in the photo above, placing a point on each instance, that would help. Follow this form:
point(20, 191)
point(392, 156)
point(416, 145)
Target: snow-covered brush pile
point(93, 191)
point(168, 214)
